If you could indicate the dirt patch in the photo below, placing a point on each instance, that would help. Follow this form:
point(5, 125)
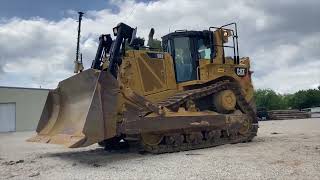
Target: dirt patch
point(9, 163)
point(193, 154)
point(34, 174)
point(293, 163)
point(275, 133)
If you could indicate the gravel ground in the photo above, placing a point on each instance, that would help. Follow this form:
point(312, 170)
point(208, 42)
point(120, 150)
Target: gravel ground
point(287, 149)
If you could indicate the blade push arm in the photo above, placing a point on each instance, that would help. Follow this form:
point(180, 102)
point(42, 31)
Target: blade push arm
point(105, 42)
point(123, 32)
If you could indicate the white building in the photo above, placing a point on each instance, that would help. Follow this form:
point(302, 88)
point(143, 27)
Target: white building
point(20, 108)
point(314, 111)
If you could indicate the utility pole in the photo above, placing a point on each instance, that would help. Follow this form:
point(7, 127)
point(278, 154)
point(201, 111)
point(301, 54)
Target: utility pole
point(79, 31)
point(78, 64)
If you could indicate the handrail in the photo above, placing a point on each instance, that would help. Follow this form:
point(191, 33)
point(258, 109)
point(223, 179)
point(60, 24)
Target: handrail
point(235, 46)
point(198, 69)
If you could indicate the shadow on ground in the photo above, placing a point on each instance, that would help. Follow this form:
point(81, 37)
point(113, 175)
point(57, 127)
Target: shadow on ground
point(96, 157)
point(100, 157)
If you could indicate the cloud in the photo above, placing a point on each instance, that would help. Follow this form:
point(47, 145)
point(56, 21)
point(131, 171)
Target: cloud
point(281, 38)
point(37, 49)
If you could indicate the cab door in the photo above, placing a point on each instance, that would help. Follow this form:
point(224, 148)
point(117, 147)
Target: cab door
point(185, 60)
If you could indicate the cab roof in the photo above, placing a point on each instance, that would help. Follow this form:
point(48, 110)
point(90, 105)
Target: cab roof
point(183, 33)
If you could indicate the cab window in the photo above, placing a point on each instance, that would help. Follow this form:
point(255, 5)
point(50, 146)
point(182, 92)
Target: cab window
point(204, 50)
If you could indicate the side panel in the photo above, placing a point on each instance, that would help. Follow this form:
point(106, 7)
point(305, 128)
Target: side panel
point(150, 74)
point(129, 73)
point(210, 72)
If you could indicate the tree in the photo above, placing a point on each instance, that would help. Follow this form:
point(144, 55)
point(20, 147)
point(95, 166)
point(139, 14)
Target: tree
point(305, 99)
point(270, 100)
point(155, 44)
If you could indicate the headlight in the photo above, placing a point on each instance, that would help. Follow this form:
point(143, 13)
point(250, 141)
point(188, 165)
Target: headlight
point(225, 34)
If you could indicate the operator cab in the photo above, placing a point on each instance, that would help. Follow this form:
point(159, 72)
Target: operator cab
point(186, 49)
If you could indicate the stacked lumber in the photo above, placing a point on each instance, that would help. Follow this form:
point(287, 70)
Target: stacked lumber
point(288, 114)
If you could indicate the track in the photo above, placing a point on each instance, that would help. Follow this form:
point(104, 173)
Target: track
point(206, 137)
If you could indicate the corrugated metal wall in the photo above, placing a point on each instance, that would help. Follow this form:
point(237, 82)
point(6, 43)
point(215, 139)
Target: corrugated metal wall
point(28, 106)
point(7, 117)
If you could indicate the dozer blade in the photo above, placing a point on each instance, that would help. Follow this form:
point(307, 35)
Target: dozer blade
point(80, 111)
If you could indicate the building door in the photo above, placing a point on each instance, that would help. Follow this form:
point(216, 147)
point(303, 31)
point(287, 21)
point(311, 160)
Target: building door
point(7, 117)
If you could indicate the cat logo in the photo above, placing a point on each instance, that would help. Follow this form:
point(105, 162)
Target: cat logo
point(241, 71)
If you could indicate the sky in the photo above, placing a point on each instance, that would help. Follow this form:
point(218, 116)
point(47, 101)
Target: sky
point(38, 37)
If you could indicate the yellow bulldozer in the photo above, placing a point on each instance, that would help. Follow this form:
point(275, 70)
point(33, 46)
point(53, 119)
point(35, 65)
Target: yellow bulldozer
point(186, 94)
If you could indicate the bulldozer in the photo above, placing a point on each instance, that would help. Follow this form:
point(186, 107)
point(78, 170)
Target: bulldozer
point(186, 94)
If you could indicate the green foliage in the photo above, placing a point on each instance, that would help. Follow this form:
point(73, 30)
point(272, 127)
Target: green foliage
point(269, 99)
point(155, 44)
point(141, 40)
point(305, 98)
point(302, 99)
